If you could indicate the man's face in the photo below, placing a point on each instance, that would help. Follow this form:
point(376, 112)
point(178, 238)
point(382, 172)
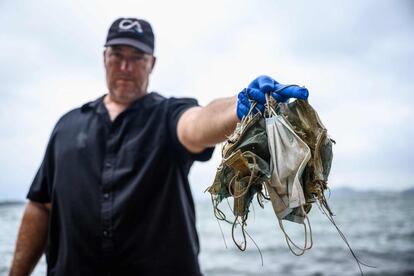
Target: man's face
point(127, 73)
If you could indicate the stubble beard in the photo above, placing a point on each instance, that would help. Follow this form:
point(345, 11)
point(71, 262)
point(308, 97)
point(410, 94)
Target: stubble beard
point(124, 95)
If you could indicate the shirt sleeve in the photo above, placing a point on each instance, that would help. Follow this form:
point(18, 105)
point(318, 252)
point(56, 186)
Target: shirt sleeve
point(41, 188)
point(177, 106)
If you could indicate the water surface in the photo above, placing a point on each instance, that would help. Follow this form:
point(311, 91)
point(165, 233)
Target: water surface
point(379, 227)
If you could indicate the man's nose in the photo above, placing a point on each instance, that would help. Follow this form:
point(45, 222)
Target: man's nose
point(126, 65)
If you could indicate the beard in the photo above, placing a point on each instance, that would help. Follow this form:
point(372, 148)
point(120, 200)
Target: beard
point(127, 90)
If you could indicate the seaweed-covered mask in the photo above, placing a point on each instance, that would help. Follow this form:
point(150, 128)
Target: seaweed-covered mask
point(244, 170)
point(245, 164)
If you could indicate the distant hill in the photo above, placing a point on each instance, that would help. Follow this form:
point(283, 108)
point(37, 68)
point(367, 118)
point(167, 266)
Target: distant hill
point(344, 191)
point(409, 191)
point(10, 202)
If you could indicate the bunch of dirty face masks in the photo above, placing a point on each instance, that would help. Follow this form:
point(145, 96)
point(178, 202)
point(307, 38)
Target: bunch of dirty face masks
point(284, 156)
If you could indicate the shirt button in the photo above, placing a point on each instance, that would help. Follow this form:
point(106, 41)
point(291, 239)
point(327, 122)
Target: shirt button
point(106, 195)
point(105, 233)
point(108, 164)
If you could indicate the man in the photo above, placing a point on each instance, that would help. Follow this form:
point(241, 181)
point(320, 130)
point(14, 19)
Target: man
point(112, 195)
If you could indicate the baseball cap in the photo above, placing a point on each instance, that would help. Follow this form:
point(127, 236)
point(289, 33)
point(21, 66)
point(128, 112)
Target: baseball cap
point(132, 32)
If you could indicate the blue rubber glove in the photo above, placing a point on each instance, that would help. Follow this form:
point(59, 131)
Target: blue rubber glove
point(257, 90)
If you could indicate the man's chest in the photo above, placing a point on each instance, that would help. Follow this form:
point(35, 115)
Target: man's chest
point(95, 145)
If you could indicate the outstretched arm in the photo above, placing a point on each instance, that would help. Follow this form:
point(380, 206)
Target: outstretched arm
point(200, 127)
point(31, 239)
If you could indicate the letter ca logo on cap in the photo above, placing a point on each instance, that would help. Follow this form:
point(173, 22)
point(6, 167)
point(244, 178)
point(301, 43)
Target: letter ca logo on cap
point(128, 24)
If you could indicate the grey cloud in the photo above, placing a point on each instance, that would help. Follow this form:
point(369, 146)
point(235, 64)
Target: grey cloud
point(344, 28)
point(372, 34)
point(48, 41)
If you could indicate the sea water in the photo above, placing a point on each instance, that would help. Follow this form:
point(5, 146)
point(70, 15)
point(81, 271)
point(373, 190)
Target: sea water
point(378, 226)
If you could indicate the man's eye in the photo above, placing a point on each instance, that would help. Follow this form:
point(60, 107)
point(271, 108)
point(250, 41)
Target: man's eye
point(137, 58)
point(116, 55)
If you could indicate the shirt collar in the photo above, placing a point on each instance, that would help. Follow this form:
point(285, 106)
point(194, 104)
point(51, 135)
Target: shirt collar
point(92, 105)
point(143, 102)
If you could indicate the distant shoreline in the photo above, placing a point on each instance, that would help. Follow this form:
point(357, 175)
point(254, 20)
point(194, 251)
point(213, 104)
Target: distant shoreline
point(11, 202)
point(339, 191)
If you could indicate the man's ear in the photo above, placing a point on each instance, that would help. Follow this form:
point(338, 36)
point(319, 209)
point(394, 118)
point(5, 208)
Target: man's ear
point(154, 59)
point(104, 55)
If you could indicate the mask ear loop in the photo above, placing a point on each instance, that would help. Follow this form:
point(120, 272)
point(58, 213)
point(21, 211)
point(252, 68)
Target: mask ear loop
point(252, 177)
point(271, 102)
point(244, 121)
point(269, 110)
point(308, 233)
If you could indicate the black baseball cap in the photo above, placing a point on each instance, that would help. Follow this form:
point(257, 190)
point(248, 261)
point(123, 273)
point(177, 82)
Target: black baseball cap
point(132, 32)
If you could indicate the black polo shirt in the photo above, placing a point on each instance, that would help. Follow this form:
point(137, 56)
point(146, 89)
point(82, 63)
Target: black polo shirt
point(121, 201)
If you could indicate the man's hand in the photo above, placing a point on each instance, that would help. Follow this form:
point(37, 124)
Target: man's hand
point(263, 85)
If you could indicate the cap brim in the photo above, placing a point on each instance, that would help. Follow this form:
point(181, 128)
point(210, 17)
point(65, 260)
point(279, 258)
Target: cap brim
point(130, 42)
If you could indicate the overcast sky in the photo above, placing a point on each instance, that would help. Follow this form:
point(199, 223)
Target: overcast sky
point(355, 57)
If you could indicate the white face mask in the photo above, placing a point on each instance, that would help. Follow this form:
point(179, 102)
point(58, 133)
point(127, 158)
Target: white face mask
point(289, 156)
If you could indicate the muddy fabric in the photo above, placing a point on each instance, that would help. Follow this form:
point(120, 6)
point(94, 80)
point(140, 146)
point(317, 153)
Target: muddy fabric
point(245, 165)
